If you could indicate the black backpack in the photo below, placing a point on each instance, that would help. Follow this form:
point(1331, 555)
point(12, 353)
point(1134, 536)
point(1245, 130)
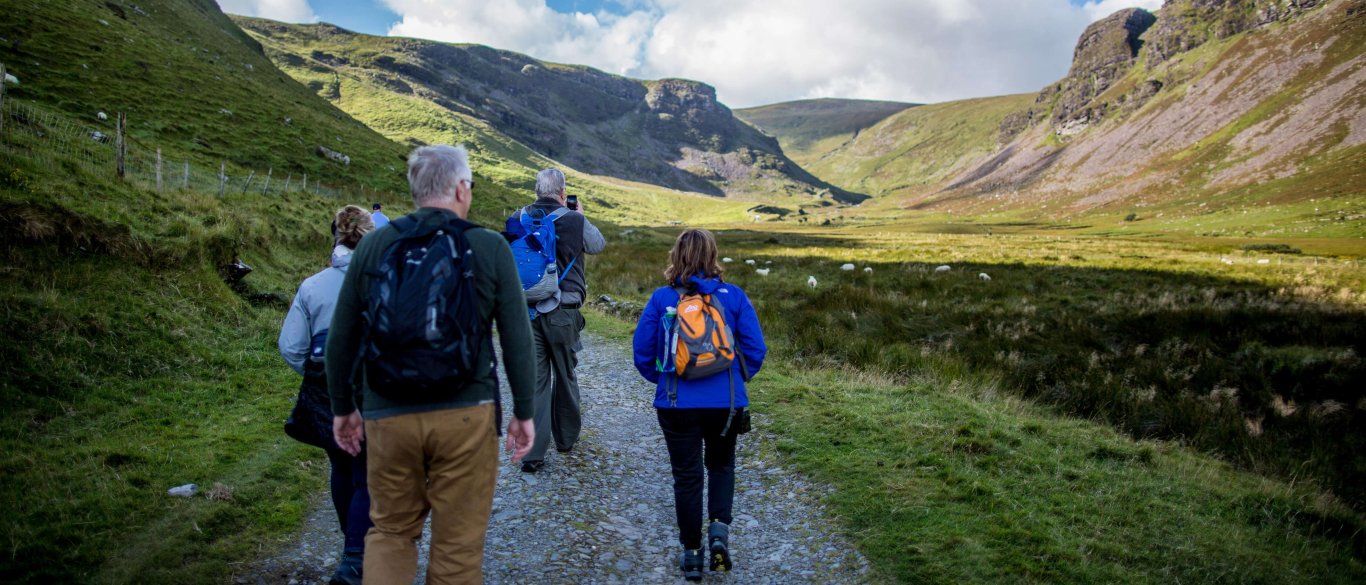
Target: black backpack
point(423, 333)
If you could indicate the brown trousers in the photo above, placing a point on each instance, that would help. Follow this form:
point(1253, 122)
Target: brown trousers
point(446, 462)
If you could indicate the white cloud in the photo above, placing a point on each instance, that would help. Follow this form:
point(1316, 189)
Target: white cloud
point(609, 42)
point(1098, 9)
point(283, 10)
point(762, 51)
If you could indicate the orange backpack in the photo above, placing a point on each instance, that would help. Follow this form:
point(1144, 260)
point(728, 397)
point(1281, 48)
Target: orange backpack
point(702, 341)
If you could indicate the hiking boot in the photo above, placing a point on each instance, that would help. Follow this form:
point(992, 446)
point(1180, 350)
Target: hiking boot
point(718, 545)
point(532, 466)
point(349, 570)
point(691, 564)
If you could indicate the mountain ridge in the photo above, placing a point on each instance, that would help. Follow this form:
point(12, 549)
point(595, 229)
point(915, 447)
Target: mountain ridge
point(668, 132)
point(1215, 117)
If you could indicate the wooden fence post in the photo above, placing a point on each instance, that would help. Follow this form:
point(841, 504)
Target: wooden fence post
point(222, 178)
point(305, 188)
point(185, 182)
point(158, 170)
point(120, 147)
point(287, 178)
point(266, 189)
point(248, 183)
point(2, 98)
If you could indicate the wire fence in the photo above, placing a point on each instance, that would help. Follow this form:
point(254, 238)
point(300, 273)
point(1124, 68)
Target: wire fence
point(52, 139)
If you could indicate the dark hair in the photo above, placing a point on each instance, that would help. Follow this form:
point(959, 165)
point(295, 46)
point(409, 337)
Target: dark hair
point(694, 253)
point(375, 206)
point(352, 224)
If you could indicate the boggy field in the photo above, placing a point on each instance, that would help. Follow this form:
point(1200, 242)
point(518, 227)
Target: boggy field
point(1236, 350)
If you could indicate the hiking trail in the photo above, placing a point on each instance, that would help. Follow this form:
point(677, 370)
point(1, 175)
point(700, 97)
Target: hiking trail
point(603, 513)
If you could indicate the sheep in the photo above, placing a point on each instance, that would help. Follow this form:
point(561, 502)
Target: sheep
point(942, 268)
point(750, 262)
point(1226, 261)
point(1263, 261)
point(768, 262)
point(846, 267)
point(811, 281)
point(984, 276)
point(762, 271)
point(102, 116)
point(868, 269)
point(726, 259)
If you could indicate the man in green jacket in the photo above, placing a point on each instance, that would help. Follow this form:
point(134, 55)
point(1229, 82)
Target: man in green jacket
point(439, 452)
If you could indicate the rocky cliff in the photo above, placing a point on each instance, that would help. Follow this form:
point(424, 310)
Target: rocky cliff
point(1205, 101)
point(671, 132)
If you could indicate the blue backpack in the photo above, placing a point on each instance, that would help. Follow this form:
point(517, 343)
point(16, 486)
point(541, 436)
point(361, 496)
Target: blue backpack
point(534, 251)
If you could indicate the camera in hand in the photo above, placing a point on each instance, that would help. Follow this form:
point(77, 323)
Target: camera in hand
point(572, 202)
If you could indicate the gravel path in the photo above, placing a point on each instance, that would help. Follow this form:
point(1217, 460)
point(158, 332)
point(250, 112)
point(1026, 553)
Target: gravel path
point(603, 513)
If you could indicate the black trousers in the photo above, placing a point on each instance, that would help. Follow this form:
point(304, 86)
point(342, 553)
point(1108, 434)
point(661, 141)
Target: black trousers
point(693, 436)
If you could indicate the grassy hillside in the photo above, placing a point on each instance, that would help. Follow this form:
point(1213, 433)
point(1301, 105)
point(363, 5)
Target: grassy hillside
point(190, 82)
point(912, 151)
point(128, 366)
point(800, 124)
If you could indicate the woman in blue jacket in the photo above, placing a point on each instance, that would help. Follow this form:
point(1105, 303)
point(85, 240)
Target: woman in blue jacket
point(701, 418)
point(301, 340)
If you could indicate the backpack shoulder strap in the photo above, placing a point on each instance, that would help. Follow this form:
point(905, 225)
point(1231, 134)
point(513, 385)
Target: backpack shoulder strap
point(557, 214)
point(404, 224)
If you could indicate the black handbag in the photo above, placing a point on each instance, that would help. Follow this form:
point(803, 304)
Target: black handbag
point(742, 422)
point(310, 422)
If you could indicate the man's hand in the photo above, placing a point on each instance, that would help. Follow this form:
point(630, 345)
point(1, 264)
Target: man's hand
point(349, 431)
point(521, 434)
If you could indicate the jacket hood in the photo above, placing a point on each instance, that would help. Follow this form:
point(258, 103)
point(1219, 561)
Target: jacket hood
point(341, 257)
point(704, 285)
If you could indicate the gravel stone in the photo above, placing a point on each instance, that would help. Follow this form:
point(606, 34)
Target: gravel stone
point(603, 513)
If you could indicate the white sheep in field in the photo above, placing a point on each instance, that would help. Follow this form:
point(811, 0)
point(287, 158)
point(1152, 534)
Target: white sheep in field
point(984, 276)
point(102, 116)
point(868, 269)
point(750, 262)
point(811, 281)
point(1226, 261)
point(762, 271)
point(768, 262)
point(846, 267)
point(1263, 261)
point(942, 268)
point(726, 259)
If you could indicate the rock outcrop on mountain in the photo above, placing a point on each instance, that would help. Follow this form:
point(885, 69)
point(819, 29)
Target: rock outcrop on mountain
point(1187, 24)
point(669, 132)
point(1105, 53)
point(1202, 100)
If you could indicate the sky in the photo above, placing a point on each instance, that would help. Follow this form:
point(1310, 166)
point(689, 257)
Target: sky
point(755, 52)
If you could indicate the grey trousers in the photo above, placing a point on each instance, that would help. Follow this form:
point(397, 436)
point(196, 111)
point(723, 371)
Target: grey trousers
point(557, 386)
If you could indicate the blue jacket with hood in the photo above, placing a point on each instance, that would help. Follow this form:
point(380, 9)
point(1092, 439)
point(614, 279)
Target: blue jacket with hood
point(712, 391)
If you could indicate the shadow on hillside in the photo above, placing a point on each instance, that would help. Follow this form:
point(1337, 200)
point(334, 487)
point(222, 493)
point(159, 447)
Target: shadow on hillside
point(1271, 382)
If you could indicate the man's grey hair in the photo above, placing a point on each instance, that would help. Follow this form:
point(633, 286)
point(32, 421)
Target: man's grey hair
point(549, 183)
point(434, 171)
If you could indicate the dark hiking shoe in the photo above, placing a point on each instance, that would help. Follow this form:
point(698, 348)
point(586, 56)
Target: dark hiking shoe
point(532, 466)
point(718, 546)
point(349, 571)
point(691, 564)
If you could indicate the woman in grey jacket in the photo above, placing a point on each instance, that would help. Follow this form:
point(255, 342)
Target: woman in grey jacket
point(302, 339)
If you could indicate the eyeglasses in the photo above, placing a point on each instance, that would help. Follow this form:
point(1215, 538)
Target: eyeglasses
point(470, 182)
